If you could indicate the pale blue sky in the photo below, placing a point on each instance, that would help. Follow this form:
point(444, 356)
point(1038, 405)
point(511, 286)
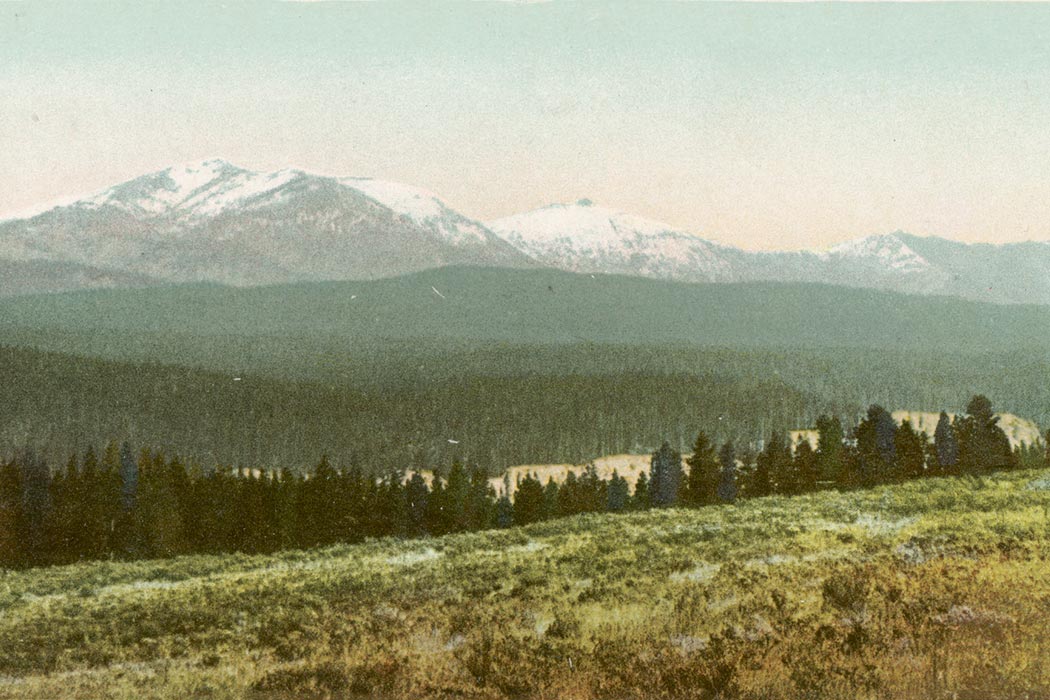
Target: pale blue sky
point(764, 126)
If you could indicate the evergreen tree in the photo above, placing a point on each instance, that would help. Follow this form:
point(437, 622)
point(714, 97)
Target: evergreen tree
point(876, 446)
point(62, 519)
point(457, 493)
point(11, 551)
point(618, 494)
point(569, 498)
point(806, 469)
point(504, 512)
point(772, 467)
point(665, 476)
point(36, 508)
point(481, 510)
point(129, 477)
point(910, 452)
point(641, 499)
point(727, 478)
point(158, 517)
point(830, 439)
point(593, 491)
point(438, 521)
point(528, 500)
point(550, 499)
point(983, 446)
point(704, 474)
point(947, 446)
point(416, 496)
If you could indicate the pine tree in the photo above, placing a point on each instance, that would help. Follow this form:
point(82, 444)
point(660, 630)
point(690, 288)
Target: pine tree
point(569, 500)
point(665, 476)
point(158, 520)
point(504, 512)
point(550, 499)
point(946, 444)
point(528, 500)
point(617, 494)
point(983, 446)
point(457, 492)
point(807, 471)
point(876, 446)
point(36, 508)
point(481, 511)
point(438, 510)
point(910, 452)
point(416, 496)
point(593, 491)
point(701, 487)
point(11, 551)
point(727, 478)
point(641, 498)
point(772, 467)
point(61, 525)
point(830, 462)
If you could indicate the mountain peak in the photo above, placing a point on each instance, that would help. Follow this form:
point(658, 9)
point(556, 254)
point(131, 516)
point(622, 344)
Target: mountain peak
point(889, 249)
point(582, 237)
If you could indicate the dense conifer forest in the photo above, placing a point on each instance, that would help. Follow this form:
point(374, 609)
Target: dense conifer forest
point(399, 407)
point(119, 503)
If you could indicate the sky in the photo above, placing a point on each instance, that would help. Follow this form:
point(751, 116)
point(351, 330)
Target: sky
point(766, 126)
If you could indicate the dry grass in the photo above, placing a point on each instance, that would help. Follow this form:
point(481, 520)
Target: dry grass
point(931, 589)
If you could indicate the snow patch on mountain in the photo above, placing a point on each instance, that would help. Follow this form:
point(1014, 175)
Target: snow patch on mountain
point(420, 206)
point(583, 223)
point(582, 237)
point(889, 250)
point(413, 202)
point(237, 190)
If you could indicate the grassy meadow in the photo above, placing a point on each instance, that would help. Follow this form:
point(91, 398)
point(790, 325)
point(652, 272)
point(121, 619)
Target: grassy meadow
point(938, 588)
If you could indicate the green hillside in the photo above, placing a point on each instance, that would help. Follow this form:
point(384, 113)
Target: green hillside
point(935, 588)
point(543, 307)
point(515, 366)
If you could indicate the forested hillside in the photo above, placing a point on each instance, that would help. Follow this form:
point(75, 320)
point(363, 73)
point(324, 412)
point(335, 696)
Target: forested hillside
point(113, 503)
point(479, 305)
point(501, 406)
point(59, 403)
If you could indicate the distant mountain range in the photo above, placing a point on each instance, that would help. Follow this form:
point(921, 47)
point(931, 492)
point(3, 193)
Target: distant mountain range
point(584, 238)
point(215, 222)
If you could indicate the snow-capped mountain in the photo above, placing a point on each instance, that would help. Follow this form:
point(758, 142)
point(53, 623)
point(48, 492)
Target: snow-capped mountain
point(213, 221)
point(584, 238)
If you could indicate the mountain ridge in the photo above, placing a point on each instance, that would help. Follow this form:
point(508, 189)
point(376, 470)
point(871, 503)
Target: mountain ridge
point(212, 221)
point(215, 222)
point(583, 238)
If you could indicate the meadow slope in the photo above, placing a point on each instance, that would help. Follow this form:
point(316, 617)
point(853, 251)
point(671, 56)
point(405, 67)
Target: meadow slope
point(936, 588)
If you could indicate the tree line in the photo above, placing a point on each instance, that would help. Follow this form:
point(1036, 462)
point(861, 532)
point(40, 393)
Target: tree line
point(119, 504)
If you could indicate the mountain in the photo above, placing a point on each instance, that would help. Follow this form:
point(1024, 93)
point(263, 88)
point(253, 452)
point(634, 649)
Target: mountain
point(213, 221)
point(585, 238)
